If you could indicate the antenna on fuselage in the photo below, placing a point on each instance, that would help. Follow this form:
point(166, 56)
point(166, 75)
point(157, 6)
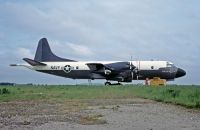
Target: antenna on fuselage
point(132, 67)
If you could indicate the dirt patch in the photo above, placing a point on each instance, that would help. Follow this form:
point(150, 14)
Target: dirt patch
point(92, 120)
point(97, 114)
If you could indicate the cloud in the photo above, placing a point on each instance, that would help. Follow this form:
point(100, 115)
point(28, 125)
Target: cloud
point(2, 53)
point(80, 49)
point(114, 30)
point(1, 35)
point(24, 53)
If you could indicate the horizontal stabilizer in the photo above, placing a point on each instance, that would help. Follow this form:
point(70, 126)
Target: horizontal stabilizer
point(33, 62)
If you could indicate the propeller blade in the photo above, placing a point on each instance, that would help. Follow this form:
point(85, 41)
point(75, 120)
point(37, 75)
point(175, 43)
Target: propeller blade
point(132, 75)
point(132, 68)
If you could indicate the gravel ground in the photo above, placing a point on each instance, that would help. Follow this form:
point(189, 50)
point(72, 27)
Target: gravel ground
point(127, 114)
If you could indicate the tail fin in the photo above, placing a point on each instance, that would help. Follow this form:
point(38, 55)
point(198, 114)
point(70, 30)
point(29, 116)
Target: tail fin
point(44, 53)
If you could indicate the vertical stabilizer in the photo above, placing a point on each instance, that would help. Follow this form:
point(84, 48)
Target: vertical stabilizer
point(44, 53)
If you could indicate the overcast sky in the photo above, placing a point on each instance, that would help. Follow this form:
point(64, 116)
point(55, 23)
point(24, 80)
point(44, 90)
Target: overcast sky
point(100, 30)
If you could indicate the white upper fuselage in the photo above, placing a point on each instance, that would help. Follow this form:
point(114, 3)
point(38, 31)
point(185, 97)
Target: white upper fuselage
point(81, 69)
point(81, 65)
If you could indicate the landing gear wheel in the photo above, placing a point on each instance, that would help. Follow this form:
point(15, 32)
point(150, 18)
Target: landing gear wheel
point(119, 83)
point(107, 83)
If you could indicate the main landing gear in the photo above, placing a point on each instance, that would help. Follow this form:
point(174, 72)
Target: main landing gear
point(109, 83)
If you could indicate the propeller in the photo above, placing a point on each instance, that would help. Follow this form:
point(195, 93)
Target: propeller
point(134, 69)
point(137, 72)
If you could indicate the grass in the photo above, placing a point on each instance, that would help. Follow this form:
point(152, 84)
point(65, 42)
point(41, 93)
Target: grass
point(188, 96)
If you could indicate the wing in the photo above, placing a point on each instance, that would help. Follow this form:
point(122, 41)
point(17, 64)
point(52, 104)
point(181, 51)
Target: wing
point(116, 66)
point(119, 71)
point(113, 68)
point(95, 66)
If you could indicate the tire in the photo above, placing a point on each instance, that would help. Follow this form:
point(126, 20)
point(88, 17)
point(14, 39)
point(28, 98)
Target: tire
point(107, 83)
point(119, 84)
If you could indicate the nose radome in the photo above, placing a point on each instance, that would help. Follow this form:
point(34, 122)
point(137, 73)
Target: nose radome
point(180, 72)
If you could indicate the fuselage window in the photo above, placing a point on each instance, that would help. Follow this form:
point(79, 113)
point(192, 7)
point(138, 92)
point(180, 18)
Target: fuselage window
point(152, 67)
point(77, 67)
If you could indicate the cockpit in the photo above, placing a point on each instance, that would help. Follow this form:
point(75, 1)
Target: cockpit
point(170, 64)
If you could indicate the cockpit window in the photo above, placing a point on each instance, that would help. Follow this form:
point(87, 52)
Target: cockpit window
point(169, 64)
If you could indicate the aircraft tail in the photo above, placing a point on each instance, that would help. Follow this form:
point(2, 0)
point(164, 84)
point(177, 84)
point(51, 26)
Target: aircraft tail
point(33, 62)
point(44, 53)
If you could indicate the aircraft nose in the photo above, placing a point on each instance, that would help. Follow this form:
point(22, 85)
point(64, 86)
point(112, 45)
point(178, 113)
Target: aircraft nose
point(180, 72)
